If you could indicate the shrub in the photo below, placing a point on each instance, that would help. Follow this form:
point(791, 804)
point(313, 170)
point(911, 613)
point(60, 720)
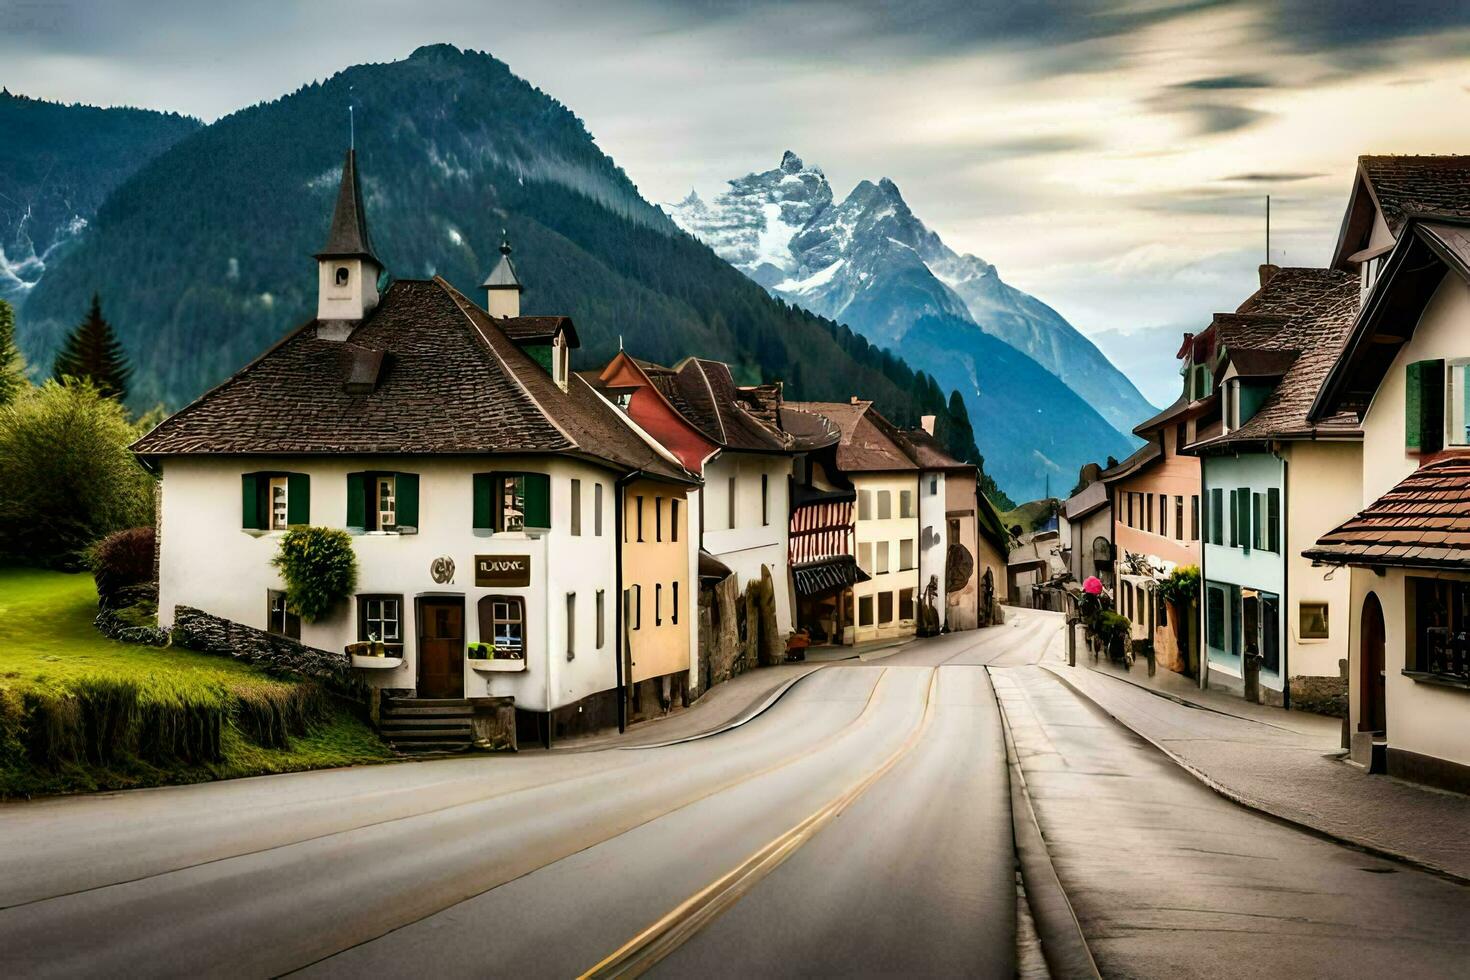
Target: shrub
point(67, 474)
point(121, 559)
point(1113, 630)
point(320, 569)
point(1181, 588)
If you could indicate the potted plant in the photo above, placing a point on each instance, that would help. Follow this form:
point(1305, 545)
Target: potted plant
point(481, 651)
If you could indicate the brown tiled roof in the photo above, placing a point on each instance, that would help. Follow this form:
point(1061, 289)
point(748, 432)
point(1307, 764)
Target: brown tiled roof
point(1424, 522)
point(709, 397)
point(925, 450)
point(1302, 316)
point(869, 443)
point(524, 329)
point(1250, 363)
point(1405, 185)
point(808, 430)
point(451, 382)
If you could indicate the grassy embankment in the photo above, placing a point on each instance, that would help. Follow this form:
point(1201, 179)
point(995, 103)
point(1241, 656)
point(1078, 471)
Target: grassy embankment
point(81, 712)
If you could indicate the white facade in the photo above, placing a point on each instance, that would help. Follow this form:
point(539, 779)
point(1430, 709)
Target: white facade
point(753, 534)
point(208, 562)
point(933, 539)
point(347, 289)
point(886, 536)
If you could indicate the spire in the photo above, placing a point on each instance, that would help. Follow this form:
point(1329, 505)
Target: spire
point(503, 276)
point(348, 237)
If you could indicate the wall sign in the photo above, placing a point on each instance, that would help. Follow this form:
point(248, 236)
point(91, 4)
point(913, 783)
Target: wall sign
point(441, 570)
point(493, 571)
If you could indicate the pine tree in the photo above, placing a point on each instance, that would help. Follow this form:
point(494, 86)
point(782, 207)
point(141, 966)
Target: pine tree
point(12, 365)
point(92, 352)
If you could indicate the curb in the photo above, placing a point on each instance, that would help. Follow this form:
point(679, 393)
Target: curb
point(749, 714)
point(1167, 696)
point(1063, 945)
point(1240, 799)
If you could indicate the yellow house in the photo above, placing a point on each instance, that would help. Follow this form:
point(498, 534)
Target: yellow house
point(659, 602)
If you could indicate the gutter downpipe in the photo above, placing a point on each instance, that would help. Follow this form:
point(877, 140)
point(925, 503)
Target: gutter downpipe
point(619, 602)
point(1285, 586)
point(1204, 577)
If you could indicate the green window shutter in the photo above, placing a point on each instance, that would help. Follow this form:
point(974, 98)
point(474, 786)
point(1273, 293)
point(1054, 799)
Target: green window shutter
point(406, 486)
point(356, 501)
point(252, 515)
point(1244, 534)
point(1273, 520)
point(484, 519)
point(1234, 519)
point(298, 499)
point(538, 500)
point(1424, 406)
point(1217, 516)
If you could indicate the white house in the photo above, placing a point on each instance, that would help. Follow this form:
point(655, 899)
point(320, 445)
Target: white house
point(481, 480)
point(1405, 371)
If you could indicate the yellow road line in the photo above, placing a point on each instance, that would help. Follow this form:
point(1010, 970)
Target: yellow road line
point(661, 938)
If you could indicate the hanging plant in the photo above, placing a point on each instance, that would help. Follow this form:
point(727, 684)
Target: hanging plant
point(320, 569)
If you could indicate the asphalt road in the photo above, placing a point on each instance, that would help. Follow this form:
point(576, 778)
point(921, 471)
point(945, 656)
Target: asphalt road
point(862, 824)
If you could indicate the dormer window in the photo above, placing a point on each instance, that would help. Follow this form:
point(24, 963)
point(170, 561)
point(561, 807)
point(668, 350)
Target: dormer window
point(342, 275)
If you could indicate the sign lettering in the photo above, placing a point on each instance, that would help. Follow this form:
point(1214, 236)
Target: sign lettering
point(502, 571)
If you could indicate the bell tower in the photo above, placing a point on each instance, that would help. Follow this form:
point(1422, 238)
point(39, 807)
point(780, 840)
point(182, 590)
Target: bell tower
point(347, 267)
point(502, 286)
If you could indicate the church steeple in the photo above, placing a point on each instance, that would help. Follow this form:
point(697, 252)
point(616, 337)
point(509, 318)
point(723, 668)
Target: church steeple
point(502, 286)
point(348, 268)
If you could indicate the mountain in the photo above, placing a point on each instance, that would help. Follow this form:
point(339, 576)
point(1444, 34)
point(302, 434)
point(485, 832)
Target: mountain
point(57, 163)
point(1050, 400)
point(203, 258)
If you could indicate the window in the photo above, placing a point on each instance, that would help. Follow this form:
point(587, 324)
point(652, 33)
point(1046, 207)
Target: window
point(1164, 515)
point(933, 485)
point(674, 519)
point(765, 500)
point(1313, 621)
point(730, 503)
point(503, 623)
point(576, 508)
point(1439, 626)
point(658, 604)
point(1235, 518)
point(905, 503)
point(638, 500)
point(865, 610)
point(885, 607)
point(637, 595)
point(274, 501)
point(571, 626)
point(1273, 520)
point(601, 628)
point(906, 604)
point(1194, 517)
point(906, 554)
point(1215, 617)
point(1258, 526)
point(1128, 500)
point(342, 275)
point(386, 495)
point(658, 518)
point(674, 609)
point(1148, 512)
point(508, 502)
point(1424, 404)
point(885, 504)
point(865, 505)
point(1457, 398)
point(278, 503)
point(865, 556)
point(1179, 518)
point(1217, 516)
point(380, 619)
point(597, 509)
point(882, 558)
point(280, 620)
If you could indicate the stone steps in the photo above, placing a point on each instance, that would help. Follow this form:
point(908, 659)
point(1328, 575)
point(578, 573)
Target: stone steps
point(427, 725)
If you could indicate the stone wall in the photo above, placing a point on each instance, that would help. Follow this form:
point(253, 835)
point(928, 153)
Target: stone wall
point(719, 642)
point(1322, 695)
point(198, 630)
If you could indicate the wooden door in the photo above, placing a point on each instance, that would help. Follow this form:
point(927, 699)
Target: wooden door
point(441, 648)
point(1372, 695)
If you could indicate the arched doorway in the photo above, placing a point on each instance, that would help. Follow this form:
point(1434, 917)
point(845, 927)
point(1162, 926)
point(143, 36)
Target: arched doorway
point(1372, 714)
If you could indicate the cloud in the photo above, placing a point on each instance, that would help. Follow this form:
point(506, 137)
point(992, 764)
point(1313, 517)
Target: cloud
point(1033, 146)
point(1272, 178)
point(1227, 83)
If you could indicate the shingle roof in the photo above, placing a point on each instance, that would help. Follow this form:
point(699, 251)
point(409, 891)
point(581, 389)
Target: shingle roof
point(1303, 316)
point(1405, 185)
point(451, 382)
point(503, 276)
point(709, 397)
point(866, 445)
point(1140, 458)
point(808, 430)
point(348, 236)
point(525, 329)
point(1423, 522)
point(925, 450)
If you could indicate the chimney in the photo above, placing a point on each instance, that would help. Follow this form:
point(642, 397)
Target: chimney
point(1268, 272)
point(927, 424)
point(853, 400)
point(502, 286)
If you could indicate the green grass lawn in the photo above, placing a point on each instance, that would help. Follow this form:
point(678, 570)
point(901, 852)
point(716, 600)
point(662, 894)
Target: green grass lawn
point(51, 656)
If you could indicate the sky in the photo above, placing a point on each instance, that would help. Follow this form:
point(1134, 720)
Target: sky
point(1112, 157)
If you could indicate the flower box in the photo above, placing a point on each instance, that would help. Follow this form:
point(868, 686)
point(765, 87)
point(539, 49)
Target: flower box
point(487, 658)
point(372, 655)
